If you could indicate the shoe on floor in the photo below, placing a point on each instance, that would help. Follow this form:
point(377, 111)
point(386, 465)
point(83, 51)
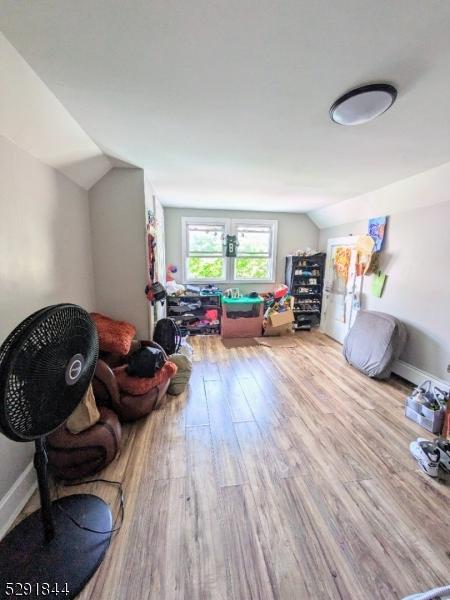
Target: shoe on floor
point(427, 455)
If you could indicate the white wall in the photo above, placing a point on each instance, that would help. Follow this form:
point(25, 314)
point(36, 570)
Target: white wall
point(294, 231)
point(118, 222)
point(416, 259)
point(45, 258)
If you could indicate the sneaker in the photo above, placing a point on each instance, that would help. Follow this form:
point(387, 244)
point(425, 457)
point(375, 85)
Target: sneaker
point(427, 455)
point(443, 447)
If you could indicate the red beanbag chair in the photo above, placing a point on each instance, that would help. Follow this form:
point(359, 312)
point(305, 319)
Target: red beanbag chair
point(137, 386)
point(113, 336)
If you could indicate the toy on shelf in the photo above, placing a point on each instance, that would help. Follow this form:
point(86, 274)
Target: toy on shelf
point(171, 269)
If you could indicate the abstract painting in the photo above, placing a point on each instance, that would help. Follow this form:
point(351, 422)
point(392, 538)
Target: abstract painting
point(377, 228)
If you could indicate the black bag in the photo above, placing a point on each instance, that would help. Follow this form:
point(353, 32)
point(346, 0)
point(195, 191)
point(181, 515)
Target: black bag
point(167, 335)
point(145, 362)
point(155, 292)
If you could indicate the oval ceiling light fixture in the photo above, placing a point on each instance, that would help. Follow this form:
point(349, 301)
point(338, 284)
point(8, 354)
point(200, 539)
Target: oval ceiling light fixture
point(363, 104)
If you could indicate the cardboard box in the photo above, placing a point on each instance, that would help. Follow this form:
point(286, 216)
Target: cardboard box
point(279, 323)
point(270, 331)
point(283, 318)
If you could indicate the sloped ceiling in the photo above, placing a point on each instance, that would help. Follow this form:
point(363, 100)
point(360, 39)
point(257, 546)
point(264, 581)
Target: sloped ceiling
point(424, 189)
point(36, 121)
point(225, 104)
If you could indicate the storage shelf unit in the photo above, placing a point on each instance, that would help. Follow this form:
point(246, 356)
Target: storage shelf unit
point(305, 277)
point(189, 312)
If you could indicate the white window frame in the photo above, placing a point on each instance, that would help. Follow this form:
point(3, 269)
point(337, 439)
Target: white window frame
point(230, 228)
point(185, 222)
point(235, 223)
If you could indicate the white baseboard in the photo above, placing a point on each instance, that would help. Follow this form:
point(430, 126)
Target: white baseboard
point(417, 376)
point(15, 499)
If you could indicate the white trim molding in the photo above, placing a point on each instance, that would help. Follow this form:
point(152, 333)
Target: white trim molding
point(15, 499)
point(417, 376)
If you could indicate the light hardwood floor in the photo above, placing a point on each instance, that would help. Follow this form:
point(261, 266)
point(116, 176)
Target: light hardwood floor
point(282, 474)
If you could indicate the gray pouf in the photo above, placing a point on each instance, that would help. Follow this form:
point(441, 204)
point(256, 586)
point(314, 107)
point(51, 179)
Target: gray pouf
point(374, 342)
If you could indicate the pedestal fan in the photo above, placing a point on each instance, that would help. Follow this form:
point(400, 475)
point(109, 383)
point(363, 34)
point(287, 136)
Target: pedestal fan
point(46, 365)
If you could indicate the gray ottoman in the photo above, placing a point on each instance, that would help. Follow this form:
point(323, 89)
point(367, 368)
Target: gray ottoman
point(374, 342)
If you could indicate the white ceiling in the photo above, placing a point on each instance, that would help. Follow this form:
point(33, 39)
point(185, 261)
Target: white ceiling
point(226, 103)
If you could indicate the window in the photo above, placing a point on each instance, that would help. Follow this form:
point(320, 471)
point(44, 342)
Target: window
point(254, 260)
point(204, 250)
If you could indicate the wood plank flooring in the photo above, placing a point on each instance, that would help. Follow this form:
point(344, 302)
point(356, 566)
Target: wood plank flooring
point(283, 474)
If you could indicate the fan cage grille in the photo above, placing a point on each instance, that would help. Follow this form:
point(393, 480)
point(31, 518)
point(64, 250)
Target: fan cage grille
point(34, 396)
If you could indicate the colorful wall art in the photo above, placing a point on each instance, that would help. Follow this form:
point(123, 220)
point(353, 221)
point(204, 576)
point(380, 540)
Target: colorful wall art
point(342, 262)
point(341, 266)
point(377, 228)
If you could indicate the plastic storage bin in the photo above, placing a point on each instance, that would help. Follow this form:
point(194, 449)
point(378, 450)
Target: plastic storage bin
point(431, 420)
point(249, 321)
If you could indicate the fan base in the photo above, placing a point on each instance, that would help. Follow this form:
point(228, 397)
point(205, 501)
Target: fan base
point(60, 569)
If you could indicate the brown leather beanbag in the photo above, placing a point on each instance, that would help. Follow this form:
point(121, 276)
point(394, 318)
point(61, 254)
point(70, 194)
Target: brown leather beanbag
point(126, 406)
point(136, 386)
point(73, 456)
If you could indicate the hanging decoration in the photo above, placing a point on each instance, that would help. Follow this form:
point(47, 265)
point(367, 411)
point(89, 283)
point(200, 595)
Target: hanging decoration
point(378, 282)
point(364, 251)
point(154, 290)
point(368, 255)
point(152, 222)
point(231, 244)
point(377, 228)
point(151, 245)
point(374, 264)
point(342, 263)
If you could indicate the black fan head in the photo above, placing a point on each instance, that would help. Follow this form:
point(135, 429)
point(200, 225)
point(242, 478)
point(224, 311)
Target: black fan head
point(46, 365)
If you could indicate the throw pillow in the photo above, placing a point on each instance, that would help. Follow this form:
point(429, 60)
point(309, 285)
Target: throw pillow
point(113, 336)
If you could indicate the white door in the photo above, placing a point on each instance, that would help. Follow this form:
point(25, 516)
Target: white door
point(338, 296)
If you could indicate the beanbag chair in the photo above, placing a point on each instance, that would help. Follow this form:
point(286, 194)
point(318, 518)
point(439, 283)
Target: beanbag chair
point(113, 336)
point(73, 456)
point(180, 380)
point(374, 343)
point(137, 386)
